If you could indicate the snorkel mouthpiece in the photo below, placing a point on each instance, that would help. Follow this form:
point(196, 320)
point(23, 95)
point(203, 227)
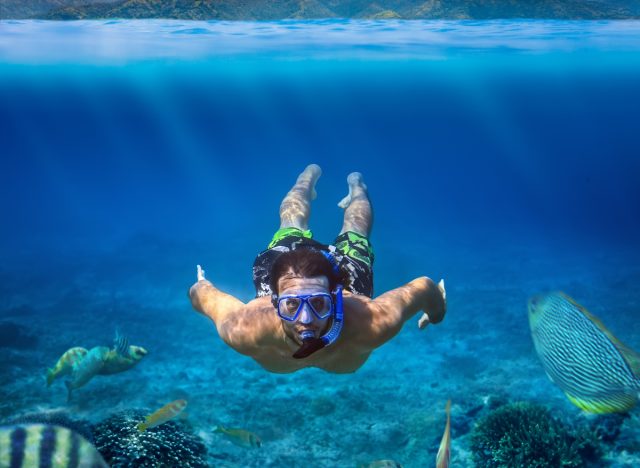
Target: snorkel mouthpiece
point(311, 344)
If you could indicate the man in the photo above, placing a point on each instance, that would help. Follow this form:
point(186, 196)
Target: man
point(313, 305)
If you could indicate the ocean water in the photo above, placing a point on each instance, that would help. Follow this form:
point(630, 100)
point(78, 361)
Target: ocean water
point(502, 156)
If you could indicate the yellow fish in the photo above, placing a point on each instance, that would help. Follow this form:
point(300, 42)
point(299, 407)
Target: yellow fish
point(381, 464)
point(164, 414)
point(64, 366)
point(240, 437)
point(444, 451)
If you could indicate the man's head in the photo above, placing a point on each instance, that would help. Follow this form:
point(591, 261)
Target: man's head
point(308, 277)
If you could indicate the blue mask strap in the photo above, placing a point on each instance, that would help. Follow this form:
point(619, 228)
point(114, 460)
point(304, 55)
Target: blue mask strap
point(332, 260)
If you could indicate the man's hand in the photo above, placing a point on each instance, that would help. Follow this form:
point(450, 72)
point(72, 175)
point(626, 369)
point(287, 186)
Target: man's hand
point(424, 320)
point(193, 291)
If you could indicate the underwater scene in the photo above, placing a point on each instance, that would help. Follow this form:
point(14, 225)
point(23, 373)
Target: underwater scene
point(145, 164)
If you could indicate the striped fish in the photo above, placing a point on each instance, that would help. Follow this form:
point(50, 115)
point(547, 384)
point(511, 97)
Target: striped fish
point(240, 437)
point(444, 451)
point(65, 364)
point(596, 371)
point(42, 445)
point(164, 414)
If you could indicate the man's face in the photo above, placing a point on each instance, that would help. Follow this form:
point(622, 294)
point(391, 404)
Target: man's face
point(307, 320)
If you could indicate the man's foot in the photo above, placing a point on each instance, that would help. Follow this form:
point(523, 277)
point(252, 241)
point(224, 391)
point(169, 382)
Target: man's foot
point(354, 179)
point(310, 176)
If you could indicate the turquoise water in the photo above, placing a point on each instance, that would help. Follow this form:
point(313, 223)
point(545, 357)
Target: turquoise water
point(499, 155)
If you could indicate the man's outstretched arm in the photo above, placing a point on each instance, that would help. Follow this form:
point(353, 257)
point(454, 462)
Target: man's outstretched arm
point(210, 301)
point(392, 309)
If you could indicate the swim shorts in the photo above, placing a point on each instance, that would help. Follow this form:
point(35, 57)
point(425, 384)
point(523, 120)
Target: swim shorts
point(352, 251)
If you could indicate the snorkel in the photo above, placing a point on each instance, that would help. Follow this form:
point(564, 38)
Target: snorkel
point(311, 344)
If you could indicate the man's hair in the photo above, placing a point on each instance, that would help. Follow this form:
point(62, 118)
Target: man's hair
point(306, 263)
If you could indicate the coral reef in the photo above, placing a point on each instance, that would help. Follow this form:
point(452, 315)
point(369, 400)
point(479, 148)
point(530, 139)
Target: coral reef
point(170, 444)
point(524, 434)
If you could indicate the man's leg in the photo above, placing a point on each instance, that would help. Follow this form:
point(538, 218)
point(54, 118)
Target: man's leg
point(358, 214)
point(296, 205)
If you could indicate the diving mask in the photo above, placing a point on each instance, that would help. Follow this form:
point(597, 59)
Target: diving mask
point(290, 306)
point(311, 344)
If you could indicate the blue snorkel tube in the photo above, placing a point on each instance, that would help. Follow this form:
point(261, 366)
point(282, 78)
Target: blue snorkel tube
point(338, 318)
point(311, 344)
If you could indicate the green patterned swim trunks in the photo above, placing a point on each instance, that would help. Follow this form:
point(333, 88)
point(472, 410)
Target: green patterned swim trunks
point(352, 251)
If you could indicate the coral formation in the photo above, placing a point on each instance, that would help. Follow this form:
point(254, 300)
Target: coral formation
point(170, 444)
point(524, 434)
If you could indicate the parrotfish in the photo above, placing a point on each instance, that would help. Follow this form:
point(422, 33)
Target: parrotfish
point(164, 414)
point(240, 437)
point(64, 366)
point(31, 445)
point(595, 370)
point(444, 451)
point(84, 370)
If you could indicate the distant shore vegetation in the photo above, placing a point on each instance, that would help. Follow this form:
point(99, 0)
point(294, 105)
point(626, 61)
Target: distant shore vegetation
point(262, 10)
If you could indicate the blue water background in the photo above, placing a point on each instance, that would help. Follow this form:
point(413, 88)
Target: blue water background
point(502, 156)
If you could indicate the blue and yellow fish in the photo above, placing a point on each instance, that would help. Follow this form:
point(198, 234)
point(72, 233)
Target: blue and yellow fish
point(33, 445)
point(596, 371)
point(100, 360)
point(64, 366)
point(85, 369)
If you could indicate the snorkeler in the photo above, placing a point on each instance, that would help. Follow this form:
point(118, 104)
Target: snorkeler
point(313, 305)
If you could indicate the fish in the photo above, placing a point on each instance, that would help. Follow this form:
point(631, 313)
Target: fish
point(381, 464)
point(444, 451)
point(31, 445)
point(161, 416)
point(116, 361)
point(64, 366)
point(87, 368)
point(240, 437)
point(596, 371)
